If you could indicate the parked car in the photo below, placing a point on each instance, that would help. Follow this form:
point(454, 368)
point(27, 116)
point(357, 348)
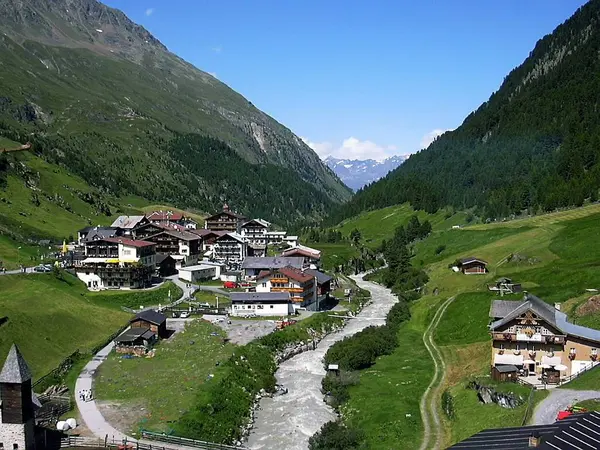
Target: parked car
point(184, 315)
point(204, 305)
point(230, 285)
point(42, 268)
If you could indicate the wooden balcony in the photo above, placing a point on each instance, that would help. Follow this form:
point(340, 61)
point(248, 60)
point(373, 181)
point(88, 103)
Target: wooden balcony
point(544, 339)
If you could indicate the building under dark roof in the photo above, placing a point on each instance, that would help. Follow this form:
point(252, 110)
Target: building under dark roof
point(152, 320)
point(134, 335)
point(577, 432)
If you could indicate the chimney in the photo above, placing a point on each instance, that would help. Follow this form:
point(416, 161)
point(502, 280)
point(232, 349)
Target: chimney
point(557, 306)
point(534, 440)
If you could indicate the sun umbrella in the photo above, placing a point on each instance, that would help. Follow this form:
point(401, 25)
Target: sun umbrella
point(561, 367)
point(546, 366)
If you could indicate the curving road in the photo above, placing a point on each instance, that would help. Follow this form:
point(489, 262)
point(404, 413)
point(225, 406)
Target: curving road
point(429, 400)
point(546, 411)
point(288, 421)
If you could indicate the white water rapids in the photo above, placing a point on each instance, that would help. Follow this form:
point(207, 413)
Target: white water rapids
point(288, 421)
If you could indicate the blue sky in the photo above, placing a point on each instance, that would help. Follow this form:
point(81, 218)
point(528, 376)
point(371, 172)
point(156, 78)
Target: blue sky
point(357, 79)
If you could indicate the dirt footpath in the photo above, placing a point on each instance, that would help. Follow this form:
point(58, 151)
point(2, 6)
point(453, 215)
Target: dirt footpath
point(242, 331)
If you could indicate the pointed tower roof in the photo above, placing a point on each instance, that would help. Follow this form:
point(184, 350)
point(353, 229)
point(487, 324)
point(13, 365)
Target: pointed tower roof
point(15, 368)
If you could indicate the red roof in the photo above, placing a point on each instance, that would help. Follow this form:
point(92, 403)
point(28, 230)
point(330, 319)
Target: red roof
point(290, 272)
point(129, 242)
point(164, 215)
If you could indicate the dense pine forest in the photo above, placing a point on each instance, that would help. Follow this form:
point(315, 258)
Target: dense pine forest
point(533, 146)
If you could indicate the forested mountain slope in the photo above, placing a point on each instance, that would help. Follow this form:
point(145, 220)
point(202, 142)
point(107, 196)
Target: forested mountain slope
point(101, 96)
point(535, 144)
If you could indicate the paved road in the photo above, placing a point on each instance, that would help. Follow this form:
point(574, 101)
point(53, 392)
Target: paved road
point(546, 411)
point(18, 271)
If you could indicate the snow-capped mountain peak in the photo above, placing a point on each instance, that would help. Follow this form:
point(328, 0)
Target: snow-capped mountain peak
point(356, 173)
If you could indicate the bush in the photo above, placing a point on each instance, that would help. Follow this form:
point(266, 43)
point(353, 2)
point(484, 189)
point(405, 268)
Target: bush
point(337, 387)
point(439, 249)
point(336, 436)
point(448, 405)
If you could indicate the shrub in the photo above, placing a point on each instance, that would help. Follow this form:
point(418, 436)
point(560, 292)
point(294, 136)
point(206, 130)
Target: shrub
point(439, 249)
point(336, 436)
point(448, 404)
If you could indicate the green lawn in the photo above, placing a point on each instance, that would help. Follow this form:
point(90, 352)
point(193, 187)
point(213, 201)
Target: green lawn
point(375, 226)
point(472, 416)
point(590, 405)
point(334, 255)
point(12, 256)
point(49, 319)
point(167, 384)
point(211, 299)
point(469, 319)
point(385, 404)
point(588, 381)
point(134, 298)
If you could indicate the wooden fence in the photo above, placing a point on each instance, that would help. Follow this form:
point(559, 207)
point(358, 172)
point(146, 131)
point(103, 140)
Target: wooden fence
point(186, 442)
point(58, 372)
point(78, 441)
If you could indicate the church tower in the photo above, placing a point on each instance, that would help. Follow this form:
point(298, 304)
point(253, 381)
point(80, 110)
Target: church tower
point(17, 420)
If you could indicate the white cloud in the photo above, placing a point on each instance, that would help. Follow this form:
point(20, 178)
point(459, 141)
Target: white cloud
point(217, 49)
point(149, 11)
point(352, 148)
point(432, 136)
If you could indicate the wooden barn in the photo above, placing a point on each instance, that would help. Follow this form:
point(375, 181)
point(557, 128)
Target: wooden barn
point(152, 320)
point(505, 373)
point(472, 266)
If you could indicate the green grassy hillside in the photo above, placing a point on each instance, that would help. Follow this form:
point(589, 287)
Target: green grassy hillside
point(50, 319)
point(554, 256)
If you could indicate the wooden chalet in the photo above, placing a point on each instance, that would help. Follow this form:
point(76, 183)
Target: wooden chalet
point(472, 266)
point(537, 338)
point(225, 220)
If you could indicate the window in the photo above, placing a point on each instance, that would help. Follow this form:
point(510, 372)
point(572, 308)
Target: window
point(271, 306)
point(594, 351)
point(15, 446)
point(501, 346)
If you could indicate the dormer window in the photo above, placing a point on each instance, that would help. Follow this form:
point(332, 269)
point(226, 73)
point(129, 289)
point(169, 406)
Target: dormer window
point(595, 351)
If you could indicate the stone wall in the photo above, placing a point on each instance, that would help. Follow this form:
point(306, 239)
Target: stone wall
point(14, 433)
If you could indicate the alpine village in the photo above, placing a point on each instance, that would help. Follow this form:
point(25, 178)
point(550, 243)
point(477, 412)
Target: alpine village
point(179, 270)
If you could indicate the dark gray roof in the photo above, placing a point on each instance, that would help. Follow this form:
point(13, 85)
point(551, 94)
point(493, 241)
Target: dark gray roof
point(504, 368)
point(469, 259)
point(272, 262)
point(502, 308)
point(151, 316)
point(260, 297)
point(100, 233)
point(516, 438)
point(161, 257)
point(577, 432)
point(321, 277)
point(15, 368)
point(556, 318)
point(132, 334)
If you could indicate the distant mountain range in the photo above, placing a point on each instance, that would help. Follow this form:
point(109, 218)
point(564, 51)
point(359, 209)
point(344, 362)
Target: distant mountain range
point(356, 173)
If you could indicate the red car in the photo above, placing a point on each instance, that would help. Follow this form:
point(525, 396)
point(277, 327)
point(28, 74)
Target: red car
point(230, 285)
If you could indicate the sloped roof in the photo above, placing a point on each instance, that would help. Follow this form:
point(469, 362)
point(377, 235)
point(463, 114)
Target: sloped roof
point(502, 308)
point(151, 316)
point(260, 222)
point(100, 233)
point(227, 213)
point(258, 297)
point(127, 222)
point(271, 262)
point(179, 234)
point(164, 215)
point(321, 277)
point(235, 236)
point(557, 319)
point(129, 242)
point(470, 259)
point(290, 272)
point(15, 369)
